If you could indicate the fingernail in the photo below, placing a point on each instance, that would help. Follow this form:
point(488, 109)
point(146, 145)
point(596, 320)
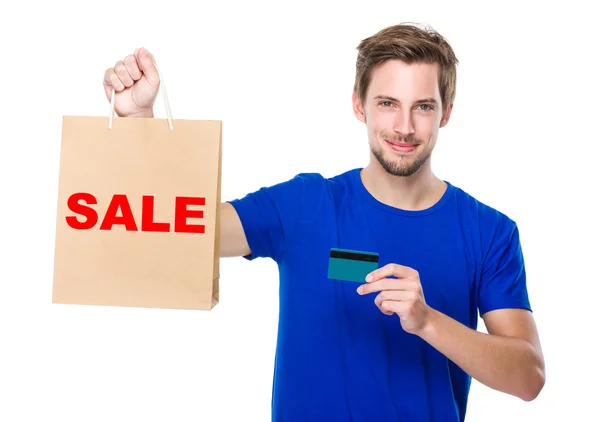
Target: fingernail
point(369, 277)
point(360, 290)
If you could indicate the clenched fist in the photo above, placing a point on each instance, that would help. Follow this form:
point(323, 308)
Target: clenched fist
point(402, 295)
point(136, 82)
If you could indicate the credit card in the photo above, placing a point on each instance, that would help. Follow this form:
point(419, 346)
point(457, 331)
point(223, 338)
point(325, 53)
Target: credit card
point(351, 265)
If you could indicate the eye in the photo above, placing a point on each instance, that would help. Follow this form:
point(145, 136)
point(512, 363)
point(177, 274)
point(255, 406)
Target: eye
point(425, 107)
point(385, 103)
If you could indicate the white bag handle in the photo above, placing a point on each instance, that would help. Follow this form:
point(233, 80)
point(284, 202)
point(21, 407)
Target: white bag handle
point(164, 92)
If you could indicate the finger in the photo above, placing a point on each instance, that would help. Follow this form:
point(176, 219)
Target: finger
point(384, 300)
point(123, 74)
point(390, 307)
point(132, 67)
point(385, 284)
point(107, 83)
point(377, 286)
point(395, 295)
point(386, 312)
point(111, 81)
point(390, 270)
point(145, 62)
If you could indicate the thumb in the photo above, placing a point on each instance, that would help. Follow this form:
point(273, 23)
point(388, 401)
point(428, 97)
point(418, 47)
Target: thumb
point(146, 64)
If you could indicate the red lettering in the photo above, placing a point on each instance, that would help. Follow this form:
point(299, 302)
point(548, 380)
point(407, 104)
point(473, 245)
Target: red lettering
point(119, 212)
point(91, 217)
point(111, 218)
point(148, 223)
point(182, 213)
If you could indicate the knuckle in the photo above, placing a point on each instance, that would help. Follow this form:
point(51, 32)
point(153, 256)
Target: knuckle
point(131, 65)
point(120, 69)
point(130, 59)
point(123, 75)
point(116, 82)
point(109, 74)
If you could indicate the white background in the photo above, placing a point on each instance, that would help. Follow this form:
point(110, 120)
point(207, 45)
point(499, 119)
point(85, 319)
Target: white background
point(522, 138)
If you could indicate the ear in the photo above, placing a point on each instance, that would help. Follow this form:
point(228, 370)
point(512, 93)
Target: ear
point(359, 111)
point(446, 116)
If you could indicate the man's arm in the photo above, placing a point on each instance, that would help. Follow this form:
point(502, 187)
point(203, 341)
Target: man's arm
point(508, 359)
point(136, 83)
point(233, 238)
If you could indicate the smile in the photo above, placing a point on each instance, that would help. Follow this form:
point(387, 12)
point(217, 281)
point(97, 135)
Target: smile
point(401, 146)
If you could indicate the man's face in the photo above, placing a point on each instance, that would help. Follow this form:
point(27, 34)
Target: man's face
point(403, 113)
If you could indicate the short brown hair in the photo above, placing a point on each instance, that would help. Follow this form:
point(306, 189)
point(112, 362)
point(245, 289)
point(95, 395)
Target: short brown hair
point(411, 43)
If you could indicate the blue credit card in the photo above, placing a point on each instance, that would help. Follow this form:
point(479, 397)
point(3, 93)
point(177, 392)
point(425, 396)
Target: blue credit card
point(351, 265)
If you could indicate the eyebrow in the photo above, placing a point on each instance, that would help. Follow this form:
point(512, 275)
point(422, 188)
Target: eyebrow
point(422, 101)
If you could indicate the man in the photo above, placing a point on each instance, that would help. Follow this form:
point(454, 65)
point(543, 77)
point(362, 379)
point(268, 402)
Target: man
point(402, 346)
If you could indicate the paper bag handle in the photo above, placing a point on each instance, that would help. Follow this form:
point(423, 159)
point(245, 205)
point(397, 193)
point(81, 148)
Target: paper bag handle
point(164, 92)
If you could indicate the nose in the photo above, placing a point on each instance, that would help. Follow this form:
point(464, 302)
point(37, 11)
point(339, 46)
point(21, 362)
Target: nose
point(403, 123)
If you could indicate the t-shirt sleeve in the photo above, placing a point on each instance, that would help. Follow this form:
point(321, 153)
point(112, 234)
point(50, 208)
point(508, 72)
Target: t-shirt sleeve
point(503, 282)
point(269, 215)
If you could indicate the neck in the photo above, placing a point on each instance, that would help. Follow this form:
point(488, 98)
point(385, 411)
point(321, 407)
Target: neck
point(417, 192)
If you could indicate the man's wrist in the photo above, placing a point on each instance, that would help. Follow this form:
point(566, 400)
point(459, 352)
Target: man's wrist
point(144, 113)
point(429, 329)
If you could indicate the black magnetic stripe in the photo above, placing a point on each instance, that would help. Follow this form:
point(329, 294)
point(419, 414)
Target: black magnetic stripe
point(355, 256)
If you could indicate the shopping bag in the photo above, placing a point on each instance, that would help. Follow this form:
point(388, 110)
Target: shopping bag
point(137, 220)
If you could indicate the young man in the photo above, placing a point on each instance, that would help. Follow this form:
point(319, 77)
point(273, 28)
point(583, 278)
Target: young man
point(403, 346)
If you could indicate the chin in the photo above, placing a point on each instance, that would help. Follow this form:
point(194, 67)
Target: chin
point(401, 165)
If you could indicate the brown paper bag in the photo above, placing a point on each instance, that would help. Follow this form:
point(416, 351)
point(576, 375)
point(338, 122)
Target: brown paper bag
point(138, 213)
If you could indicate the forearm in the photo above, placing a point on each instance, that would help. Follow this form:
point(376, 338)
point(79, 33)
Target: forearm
point(510, 365)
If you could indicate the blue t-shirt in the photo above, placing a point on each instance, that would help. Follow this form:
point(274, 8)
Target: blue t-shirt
point(338, 357)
